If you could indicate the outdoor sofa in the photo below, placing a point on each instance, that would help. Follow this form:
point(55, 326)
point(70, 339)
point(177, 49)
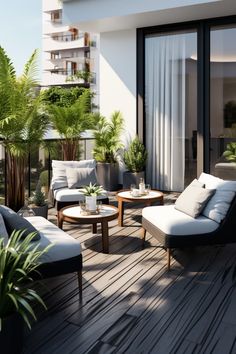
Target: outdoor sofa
point(63, 257)
point(191, 221)
point(68, 177)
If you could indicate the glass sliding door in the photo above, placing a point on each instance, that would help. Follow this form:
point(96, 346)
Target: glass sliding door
point(222, 100)
point(171, 109)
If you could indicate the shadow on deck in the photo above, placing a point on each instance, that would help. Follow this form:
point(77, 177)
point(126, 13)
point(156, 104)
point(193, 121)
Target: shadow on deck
point(131, 304)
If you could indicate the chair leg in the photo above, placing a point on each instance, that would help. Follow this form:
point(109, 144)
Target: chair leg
point(168, 258)
point(80, 284)
point(143, 235)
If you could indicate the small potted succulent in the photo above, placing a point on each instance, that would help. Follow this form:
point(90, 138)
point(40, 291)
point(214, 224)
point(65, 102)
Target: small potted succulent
point(91, 192)
point(135, 158)
point(38, 203)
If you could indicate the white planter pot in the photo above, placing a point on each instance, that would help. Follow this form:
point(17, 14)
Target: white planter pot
point(91, 202)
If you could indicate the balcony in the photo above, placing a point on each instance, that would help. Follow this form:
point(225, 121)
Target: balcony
point(62, 42)
point(52, 5)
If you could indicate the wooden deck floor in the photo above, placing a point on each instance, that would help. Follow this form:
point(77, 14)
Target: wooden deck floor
point(131, 304)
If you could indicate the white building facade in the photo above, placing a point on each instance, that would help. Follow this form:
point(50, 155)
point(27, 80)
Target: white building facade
point(66, 50)
point(170, 67)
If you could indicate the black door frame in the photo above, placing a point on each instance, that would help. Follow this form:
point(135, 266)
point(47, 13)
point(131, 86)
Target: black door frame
point(202, 27)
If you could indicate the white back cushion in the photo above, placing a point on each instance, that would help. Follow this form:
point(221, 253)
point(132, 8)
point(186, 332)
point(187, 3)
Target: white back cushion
point(218, 206)
point(59, 179)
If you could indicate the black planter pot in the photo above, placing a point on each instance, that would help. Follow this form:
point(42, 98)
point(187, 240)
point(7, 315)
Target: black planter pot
point(11, 336)
point(131, 178)
point(108, 175)
point(41, 211)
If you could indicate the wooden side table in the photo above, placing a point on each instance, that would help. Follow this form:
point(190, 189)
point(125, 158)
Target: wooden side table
point(125, 196)
point(72, 214)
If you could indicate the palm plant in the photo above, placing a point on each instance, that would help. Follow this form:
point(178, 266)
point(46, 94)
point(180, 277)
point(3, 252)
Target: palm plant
point(22, 125)
point(19, 260)
point(107, 138)
point(70, 122)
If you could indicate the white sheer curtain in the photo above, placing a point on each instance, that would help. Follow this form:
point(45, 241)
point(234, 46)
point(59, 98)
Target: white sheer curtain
point(165, 111)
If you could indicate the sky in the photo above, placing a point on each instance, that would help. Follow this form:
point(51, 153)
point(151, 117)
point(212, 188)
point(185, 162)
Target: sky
point(21, 30)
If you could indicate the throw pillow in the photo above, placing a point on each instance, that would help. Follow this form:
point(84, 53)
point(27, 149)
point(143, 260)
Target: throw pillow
point(211, 182)
point(79, 177)
point(3, 231)
point(13, 221)
point(217, 208)
point(193, 199)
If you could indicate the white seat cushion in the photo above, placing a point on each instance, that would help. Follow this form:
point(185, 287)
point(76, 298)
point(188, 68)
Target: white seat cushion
point(71, 195)
point(173, 222)
point(64, 246)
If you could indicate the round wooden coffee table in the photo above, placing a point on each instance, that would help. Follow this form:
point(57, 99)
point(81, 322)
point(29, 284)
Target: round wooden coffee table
point(148, 199)
point(72, 214)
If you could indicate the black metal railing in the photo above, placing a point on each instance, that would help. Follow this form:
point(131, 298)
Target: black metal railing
point(39, 166)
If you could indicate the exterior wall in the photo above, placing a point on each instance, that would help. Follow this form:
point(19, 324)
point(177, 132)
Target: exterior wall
point(118, 76)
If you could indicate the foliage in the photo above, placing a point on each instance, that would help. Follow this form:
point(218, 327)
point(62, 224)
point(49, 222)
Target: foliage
point(70, 122)
point(135, 156)
point(63, 97)
point(43, 178)
point(22, 122)
point(92, 190)
point(230, 153)
point(38, 198)
point(107, 138)
point(85, 75)
point(19, 259)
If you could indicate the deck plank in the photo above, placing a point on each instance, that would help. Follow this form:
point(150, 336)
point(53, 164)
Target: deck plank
point(131, 304)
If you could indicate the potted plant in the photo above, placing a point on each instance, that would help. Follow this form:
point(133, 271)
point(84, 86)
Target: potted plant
point(226, 169)
point(91, 192)
point(230, 153)
point(135, 158)
point(38, 203)
point(107, 145)
point(70, 122)
point(19, 259)
point(22, 123)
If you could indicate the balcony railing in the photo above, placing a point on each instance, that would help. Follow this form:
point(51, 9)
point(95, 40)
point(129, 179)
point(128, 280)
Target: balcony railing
point(67, 37)
point(39, 166)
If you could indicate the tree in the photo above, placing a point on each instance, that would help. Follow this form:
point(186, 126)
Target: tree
point(22, 123)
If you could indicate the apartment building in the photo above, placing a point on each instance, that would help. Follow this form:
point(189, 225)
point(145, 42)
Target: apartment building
point(67, 50)
point(170, 67)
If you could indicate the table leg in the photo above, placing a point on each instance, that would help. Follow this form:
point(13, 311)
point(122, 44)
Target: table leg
point(121, 212)
point(94, 227)
point(105, 240)
point(59, 220)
